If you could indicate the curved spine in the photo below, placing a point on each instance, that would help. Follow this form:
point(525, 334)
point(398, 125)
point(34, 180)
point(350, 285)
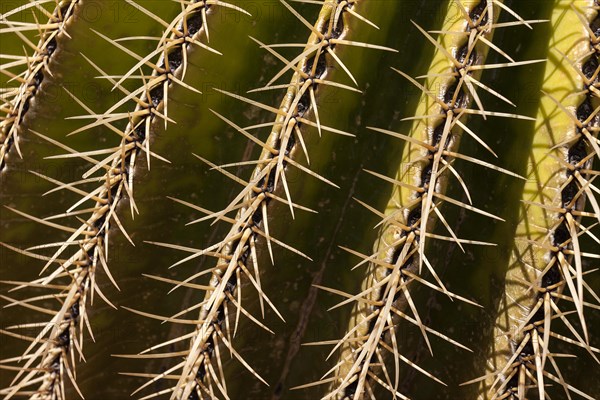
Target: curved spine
point(51, 354)
point(17, 101)
point(414, 208)
point(547, 259)
point(200, 373)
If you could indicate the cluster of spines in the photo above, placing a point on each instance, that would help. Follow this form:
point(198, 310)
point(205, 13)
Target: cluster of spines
point(527, 367)
point(16, 101)
point(237, 252)
point(52, 352)
point(400, 251)
point(200, 373)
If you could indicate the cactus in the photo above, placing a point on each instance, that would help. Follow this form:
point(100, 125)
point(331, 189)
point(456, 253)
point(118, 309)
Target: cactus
point(356, 199)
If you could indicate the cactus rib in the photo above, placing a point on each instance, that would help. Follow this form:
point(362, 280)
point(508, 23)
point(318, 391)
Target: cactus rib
point(415, 205)
point(237, 252)
point(48, 359)
point(17, 101)
point(455, 161)
point(547, 256)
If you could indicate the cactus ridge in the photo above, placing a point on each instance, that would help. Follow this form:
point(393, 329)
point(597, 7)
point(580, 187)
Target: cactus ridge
point(534, 294)
point(409, 220)
point(236, 253)
point(17, 101)
point(528, 365)
point(52, 352)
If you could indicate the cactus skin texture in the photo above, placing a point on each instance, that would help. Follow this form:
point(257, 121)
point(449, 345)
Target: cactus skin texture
point(546, 268)
point(328, 199)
